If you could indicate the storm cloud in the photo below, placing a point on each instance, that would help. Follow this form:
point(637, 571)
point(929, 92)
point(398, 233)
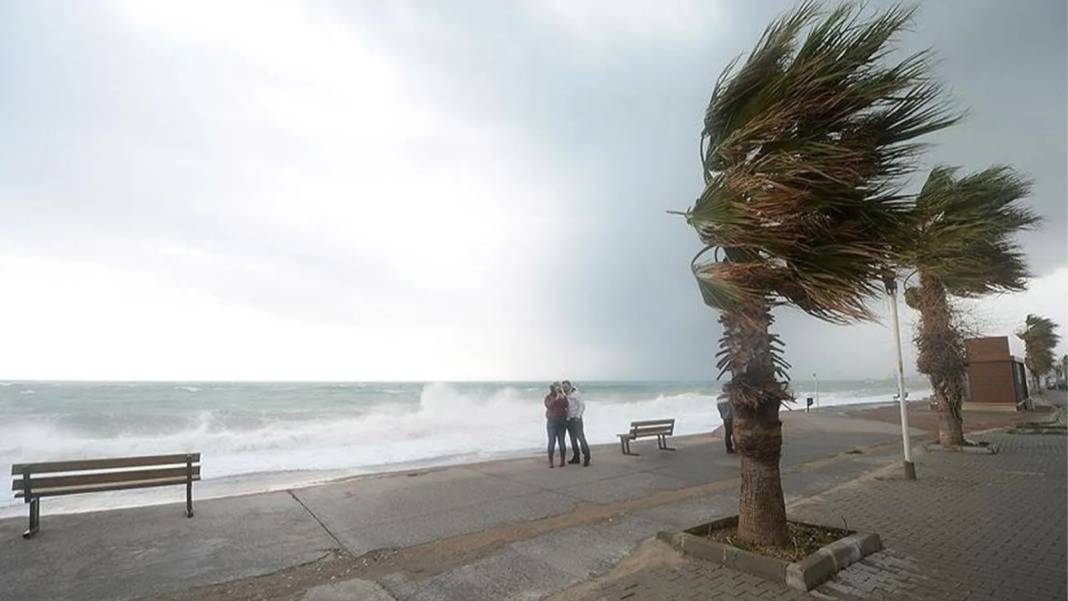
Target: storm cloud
point(428, 190)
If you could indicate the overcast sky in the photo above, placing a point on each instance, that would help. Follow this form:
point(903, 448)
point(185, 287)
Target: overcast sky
point(427, 190)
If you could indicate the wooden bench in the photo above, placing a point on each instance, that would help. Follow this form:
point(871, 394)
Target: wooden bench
point(660, 428)
point(98, 475)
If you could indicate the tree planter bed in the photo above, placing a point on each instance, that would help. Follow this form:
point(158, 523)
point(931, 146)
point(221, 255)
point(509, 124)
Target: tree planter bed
point(981, 447)
point(1052, 425)
point(803, 574)
point(1051, 429)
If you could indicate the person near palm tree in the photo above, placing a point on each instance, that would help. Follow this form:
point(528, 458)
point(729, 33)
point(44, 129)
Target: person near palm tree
point(575, 408)
point(727, 414)
point(556, 421)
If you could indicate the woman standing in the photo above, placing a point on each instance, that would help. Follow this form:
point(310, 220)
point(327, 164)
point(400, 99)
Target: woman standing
point(556, 420)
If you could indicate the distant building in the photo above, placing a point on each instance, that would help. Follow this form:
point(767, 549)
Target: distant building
point(996, 377)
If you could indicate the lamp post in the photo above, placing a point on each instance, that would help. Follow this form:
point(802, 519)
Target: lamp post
point(891, 294)
point(816, 378)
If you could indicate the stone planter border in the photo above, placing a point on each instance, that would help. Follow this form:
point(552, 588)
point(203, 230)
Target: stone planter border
point(980, 447)
point(804, 575)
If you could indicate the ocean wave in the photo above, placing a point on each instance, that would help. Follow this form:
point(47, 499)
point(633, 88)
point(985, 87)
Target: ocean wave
point(188, 388)
point(444, 420)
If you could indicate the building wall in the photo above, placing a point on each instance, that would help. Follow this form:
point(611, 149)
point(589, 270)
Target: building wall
point(987, 349)
point(992, 382)
point(990, 371)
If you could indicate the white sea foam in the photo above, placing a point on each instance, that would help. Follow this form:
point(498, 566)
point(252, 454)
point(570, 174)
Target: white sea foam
point(444, 422)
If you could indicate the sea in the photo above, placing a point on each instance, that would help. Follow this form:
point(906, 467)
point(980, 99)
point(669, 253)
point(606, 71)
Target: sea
point(265, 436)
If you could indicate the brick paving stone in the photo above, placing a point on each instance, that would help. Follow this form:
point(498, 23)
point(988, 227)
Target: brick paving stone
point(973, 527)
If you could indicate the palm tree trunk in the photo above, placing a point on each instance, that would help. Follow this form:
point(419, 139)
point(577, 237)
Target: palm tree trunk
point(950, 424)
point(755, 395)
point(942, 358)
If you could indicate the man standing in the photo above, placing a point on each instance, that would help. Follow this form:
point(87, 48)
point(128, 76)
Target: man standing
point(575, 408)
point(727, 413)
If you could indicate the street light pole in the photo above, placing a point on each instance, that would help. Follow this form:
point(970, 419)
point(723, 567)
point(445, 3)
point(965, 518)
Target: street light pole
point(891, 295)
point(816, 378)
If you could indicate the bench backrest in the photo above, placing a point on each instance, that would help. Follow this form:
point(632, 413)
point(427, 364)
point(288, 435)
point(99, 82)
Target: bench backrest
point(652, 427)
point(96, 475)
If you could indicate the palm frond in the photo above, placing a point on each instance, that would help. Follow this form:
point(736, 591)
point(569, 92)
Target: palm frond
point(961, 230)
point(1040, 340)
point(803, 149)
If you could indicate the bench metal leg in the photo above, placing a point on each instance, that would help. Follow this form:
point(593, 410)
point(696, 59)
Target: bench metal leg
point(189, 487)
point(35, 518)
point(661, 441)
point(624, 444)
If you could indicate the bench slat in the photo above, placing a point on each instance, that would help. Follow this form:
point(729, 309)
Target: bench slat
point(73, 490)
point(101, 464)
point(653, 422)
point(101, 478)
point(650, 430)
point(637, 435)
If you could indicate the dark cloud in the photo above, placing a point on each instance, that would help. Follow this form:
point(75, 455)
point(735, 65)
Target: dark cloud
point(611, 112)
point(623, 117)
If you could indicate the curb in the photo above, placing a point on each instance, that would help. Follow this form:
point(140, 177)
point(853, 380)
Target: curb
point(822, 565)
point(804, 575)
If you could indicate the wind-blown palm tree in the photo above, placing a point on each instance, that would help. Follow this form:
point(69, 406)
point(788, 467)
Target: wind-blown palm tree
point(802, 150)
point(1040, 339)
point(1064, 371)
point(959, 240)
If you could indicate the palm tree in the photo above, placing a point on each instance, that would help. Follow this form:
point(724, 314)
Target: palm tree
point(802, 150)
point(959, 240)
point(1040, 339)
point(1064, 372)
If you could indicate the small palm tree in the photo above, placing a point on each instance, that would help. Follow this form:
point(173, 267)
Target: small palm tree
point(1040, 339)
point(1064, 372)
point(802, 150)
point(959, 240)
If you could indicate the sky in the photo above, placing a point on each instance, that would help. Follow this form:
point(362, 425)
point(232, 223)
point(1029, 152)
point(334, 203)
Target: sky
point(430, 191)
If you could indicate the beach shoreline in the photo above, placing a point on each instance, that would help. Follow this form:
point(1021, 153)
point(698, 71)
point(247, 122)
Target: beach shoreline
point(253, 483)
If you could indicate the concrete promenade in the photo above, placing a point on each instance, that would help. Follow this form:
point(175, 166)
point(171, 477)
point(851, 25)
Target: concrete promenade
point(972, 527)
point(499, 530)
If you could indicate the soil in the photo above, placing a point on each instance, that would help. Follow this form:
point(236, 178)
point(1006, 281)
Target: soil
point(804, 540)
point(650, 554)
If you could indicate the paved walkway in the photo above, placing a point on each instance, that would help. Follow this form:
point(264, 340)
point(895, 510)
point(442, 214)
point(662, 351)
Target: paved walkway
point(498, 530)
point(988, 527)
